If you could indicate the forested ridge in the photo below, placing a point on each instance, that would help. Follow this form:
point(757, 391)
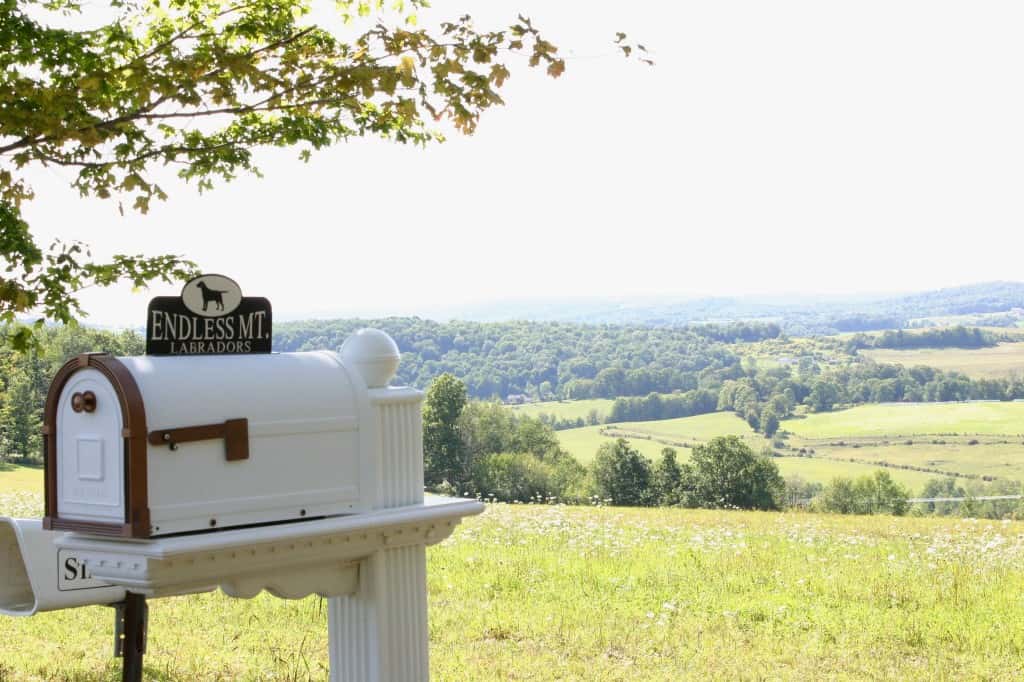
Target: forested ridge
point(948, 337)
point(653, 373)
point(991, 304)
point(544, 359)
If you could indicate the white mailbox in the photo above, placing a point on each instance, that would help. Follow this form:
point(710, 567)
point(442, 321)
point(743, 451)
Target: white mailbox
point(142, 453)
point(155, 445)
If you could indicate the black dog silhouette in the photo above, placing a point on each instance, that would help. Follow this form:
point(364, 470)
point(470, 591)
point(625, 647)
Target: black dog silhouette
point(211, 295)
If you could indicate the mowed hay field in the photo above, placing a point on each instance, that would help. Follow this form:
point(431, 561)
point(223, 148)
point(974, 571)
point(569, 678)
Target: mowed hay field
point(1001, 360)
point(907, 419)
point(651, 437)
point(566, 409)
point(582, 443)
point(975, 439)
point(585, 593)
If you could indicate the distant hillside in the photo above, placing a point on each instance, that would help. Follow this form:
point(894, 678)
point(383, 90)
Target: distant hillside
point(546, 359)
point(798, 316)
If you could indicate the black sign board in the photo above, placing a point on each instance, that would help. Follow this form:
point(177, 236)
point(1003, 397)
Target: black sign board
point(211, 317)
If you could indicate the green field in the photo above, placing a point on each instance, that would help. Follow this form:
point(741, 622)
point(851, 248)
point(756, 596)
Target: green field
point(582, 443)
point(823, 470)
point(651, 436)
point(1000, 460)
point(700, 428)
point(1002, 360)
point(908, 419)
point(611, 594)
point(866, 435)
point(566, 409)
point(16, 478)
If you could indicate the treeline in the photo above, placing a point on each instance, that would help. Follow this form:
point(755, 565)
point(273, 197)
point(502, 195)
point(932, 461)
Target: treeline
point(950, 337)
point(656, 406)
point(738, 332)
point(542, 360)
point(765, 396)
point(651, 373)
point(484, 449)
point(25, 379)
point(659, 373)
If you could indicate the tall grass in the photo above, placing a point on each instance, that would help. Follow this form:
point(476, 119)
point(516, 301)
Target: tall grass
point(576, 593)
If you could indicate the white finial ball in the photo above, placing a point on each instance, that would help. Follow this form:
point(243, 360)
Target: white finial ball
point(373, 354)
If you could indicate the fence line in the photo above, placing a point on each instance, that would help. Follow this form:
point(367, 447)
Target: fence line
point(980, 498)
point(804, 501)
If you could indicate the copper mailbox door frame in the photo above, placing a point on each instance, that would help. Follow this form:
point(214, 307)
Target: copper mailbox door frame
point(136, 484)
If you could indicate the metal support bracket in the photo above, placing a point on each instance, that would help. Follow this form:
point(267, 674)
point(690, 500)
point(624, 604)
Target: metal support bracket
point(131, 623)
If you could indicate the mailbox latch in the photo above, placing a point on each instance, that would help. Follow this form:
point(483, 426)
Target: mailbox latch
point(235, 433)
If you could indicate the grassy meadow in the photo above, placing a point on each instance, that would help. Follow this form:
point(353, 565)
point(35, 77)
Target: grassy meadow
point(585, 593)
point(1001, 360)
point(651, 436)
point(17, 478)
point(995, 459)
point(566, 409)
point(969, 439)
point(582, 443)
point(909, 419)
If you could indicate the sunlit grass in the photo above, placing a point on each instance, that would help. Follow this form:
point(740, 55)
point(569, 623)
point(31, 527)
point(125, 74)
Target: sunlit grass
point(566, 409)
point(580, 593)
point(583, 443)
point(999, 361)
point(651, 437)
point(907, 419)
point(18, 478)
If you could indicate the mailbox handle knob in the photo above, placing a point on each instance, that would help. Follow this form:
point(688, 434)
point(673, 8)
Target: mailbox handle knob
point(235, 433)
point(84, 402)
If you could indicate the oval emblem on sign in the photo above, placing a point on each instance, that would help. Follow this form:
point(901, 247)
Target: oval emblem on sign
point(211, 295)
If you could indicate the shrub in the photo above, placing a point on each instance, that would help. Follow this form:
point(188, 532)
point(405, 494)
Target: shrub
point(874, 494)
point(521, 476)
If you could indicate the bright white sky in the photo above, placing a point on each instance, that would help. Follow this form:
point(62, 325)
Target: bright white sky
point(812, 147)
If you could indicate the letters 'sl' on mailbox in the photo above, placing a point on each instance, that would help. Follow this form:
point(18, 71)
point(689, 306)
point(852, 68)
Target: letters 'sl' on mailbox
point(149, 446)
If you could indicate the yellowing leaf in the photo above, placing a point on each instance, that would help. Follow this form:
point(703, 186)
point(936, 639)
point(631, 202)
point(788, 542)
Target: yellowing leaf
point(499, 74)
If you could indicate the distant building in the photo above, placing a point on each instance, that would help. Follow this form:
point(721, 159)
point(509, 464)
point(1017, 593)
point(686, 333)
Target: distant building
point(516, 399)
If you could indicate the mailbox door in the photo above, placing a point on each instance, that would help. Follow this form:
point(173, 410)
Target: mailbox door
point(90, 450)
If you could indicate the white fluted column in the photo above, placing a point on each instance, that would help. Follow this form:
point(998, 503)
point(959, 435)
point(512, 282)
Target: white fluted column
point(379, 634)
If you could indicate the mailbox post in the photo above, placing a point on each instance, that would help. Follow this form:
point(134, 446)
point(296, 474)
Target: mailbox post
point(379, 633)
point(313, 486)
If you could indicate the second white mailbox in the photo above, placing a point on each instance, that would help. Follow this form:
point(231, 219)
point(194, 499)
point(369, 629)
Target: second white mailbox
point(149, 446)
